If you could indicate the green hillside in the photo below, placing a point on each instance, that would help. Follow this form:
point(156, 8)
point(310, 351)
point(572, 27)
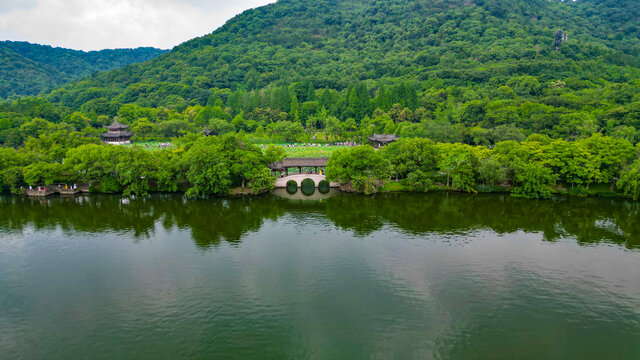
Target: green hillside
point(335, 43)
point(28, 69)
point(472, 71)
point(541, 96)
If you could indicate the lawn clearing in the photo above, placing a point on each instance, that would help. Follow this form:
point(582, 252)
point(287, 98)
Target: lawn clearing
point(310, 151)
point(290, 151)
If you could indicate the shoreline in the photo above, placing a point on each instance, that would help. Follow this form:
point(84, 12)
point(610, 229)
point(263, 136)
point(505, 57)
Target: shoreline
point(389, 188)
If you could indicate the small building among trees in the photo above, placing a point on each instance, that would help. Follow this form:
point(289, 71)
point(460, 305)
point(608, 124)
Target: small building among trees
point(380, 140)
point(117, 134)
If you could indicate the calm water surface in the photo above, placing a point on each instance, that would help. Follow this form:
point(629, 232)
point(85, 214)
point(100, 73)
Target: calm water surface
point(438, 276)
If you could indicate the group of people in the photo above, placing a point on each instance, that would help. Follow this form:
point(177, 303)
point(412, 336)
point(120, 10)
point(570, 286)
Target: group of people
point(345, 143)
point(161, 146)
point(44, 188)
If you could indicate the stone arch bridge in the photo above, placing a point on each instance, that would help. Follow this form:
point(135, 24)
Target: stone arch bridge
point(282, 182)
point(307, 168)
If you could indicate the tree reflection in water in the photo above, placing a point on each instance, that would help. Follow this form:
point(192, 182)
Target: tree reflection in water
point(588, 220)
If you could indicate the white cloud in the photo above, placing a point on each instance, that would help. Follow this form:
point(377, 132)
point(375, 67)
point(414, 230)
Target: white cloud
point(100, 24)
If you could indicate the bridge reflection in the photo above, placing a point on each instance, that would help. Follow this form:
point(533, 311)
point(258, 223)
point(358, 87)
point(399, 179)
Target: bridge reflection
point(318, 195)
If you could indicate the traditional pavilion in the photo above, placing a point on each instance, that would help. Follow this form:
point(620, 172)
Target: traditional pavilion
point(379, 140)
point(117, 134)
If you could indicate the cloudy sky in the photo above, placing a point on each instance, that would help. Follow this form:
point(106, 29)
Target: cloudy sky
point(108, 24)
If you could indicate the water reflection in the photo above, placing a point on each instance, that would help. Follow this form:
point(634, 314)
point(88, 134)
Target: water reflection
point(308, 187)
point(292, 187)
point(316, 196)
point(342, 277)
point(212, 221)
point(324, 187)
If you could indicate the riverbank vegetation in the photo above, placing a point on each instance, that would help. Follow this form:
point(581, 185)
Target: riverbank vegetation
point(202, 166)
point(199, 166)
point(535, 168)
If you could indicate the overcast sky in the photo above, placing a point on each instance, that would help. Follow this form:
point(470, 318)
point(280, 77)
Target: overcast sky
point(109, 24)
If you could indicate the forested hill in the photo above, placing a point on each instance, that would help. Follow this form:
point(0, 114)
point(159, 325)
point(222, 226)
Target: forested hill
point(28, 69)
point(473, 71)
point(334, 43)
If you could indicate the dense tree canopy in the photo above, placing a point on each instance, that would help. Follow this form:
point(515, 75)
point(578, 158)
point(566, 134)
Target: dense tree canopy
point(531, 169)
point(201, 166)
point(362, 167)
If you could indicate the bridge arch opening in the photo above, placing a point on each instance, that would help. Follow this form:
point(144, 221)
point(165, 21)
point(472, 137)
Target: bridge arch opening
point(324, 187)
point(308, 187)
point(292, 187)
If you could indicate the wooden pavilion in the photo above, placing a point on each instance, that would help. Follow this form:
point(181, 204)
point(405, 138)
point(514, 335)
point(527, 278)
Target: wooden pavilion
point(380, 140)
point(117, 134)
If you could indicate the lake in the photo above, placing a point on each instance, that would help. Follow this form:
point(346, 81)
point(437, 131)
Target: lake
point(400, 276)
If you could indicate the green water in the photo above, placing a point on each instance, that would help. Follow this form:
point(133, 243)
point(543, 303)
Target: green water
point(407, 276)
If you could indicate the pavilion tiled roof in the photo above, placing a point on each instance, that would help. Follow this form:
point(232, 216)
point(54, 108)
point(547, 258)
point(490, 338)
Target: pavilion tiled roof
point(300, 162)
point(383, 138)
point(116, 126)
